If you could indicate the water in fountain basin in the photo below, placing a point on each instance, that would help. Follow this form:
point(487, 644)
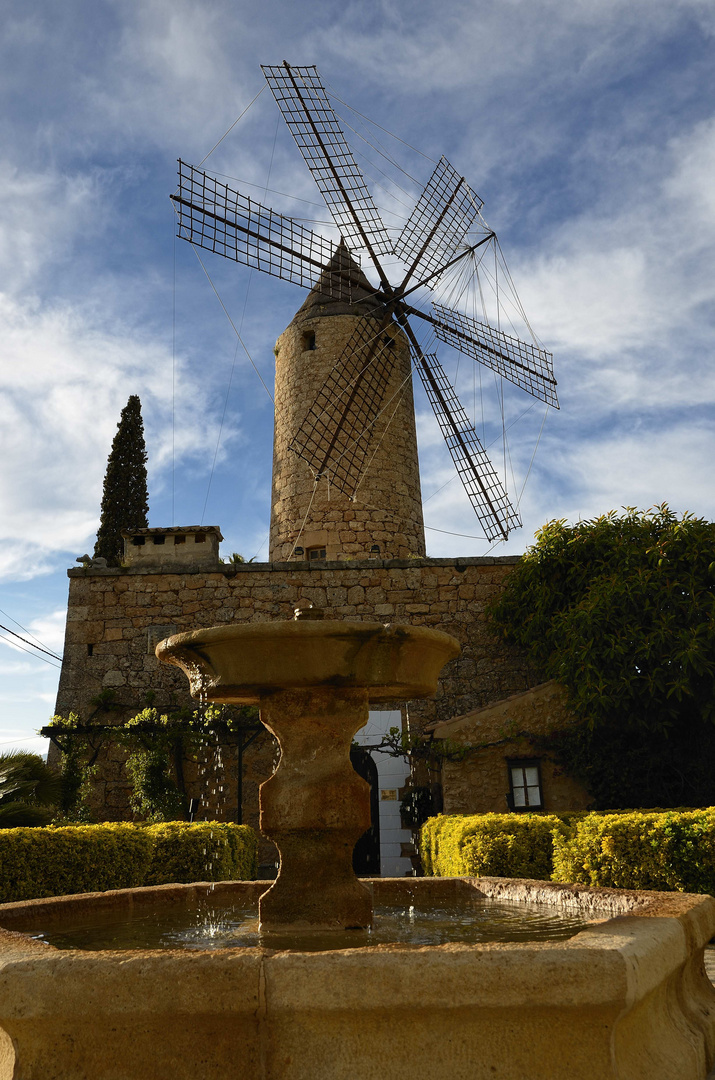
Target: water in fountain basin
point(212, 924)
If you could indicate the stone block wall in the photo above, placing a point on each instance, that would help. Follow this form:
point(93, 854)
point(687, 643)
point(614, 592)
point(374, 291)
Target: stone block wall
point(116, 616)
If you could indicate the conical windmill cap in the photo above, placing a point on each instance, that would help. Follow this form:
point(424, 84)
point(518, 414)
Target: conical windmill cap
point(341, 289)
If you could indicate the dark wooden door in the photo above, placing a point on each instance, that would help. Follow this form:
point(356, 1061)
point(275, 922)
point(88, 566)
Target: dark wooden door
point(366, 855)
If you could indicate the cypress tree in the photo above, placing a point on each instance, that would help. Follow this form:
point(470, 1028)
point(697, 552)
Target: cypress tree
point(125, 500)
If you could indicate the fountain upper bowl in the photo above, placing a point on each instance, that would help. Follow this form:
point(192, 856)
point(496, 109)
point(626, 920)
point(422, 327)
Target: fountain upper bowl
point(240, 664)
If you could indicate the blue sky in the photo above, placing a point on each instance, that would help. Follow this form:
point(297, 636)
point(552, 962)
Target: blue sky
point(587, 128)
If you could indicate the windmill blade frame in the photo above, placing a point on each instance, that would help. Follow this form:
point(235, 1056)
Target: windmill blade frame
point(481, 482)
point(343, 414)
point(214, 216)
point(438, 223)
point(525, 365)
point(309, 116)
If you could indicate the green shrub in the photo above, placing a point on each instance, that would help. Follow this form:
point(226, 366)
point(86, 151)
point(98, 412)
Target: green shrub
point(668, 851)
point(36, 862)
point(489, 845)
point(72, 859)
point(204, 851)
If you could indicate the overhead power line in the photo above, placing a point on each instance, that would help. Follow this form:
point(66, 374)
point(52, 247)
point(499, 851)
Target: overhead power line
point(30, 643)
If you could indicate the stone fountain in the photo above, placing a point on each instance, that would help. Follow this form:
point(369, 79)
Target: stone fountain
point(625, 999)
point(314, 680)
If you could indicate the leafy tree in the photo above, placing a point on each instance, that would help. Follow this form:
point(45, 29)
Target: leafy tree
point(621, 611)
point(29, 789)
point(125, 501)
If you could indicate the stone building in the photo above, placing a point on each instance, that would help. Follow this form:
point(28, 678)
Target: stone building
point(508, 768)
point(116, 617)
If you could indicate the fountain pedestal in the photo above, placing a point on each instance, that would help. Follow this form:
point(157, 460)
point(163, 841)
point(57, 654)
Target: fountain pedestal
point(313, 681)
point(315, 808)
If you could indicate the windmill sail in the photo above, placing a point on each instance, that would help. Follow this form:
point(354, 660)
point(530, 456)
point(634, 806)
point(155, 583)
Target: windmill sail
point(481, 482)
point(302, 99)
point(214, 216)
point(439, 222)
point(524, 365)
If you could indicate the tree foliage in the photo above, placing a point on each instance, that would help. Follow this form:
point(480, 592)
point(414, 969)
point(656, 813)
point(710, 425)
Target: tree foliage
point(621, 611)
point(125, 501)
point(29, 788)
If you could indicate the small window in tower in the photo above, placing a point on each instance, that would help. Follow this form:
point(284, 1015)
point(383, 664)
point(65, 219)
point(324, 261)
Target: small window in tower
point(138, 541)
point(200, 538)
point(159, 539)
point(316, 553)
point(179, 540)
point(308, 341)
point(388, 341)
point(90, 649)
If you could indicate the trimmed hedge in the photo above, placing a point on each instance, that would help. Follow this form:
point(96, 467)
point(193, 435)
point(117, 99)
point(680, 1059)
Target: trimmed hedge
point(93, 858)
point(667, 851)
point(204, 851)
point(489, 845)
point(661, 850)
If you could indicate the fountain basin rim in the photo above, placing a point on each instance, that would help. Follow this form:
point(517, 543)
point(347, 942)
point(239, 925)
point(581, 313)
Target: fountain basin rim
point(241, 663)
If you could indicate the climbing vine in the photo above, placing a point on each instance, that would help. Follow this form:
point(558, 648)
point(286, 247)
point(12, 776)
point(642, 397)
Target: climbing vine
point(157, 745)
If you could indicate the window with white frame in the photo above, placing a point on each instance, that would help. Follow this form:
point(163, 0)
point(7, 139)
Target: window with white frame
point(525, 789)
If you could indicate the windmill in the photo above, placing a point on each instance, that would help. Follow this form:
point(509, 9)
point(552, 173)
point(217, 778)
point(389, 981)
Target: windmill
point(333, 437)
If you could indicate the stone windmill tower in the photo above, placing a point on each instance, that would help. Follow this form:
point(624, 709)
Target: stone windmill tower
point(382, 514)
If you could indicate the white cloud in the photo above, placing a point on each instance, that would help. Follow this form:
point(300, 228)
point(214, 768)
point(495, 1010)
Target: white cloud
point(639, 469)
point(63, 383)
point(619, 295)
point(49, 630)
point(40, 213)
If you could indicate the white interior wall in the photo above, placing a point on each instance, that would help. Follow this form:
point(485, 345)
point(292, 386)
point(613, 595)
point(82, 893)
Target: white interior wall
point(392, 773)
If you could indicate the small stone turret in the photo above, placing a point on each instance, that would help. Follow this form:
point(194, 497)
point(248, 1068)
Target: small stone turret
point(309, 519)
point(190, 546)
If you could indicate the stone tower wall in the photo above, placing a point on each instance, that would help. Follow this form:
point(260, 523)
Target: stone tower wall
point(116, 617)
point(387, 508)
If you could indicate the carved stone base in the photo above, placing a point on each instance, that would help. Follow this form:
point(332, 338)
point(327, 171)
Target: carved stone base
point(315, 809)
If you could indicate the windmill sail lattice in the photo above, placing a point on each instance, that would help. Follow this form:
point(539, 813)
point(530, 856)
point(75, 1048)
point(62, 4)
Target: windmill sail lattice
point(521, 363)
point(214, 216)
point(438, 224)
point(302, 99)
point(334, 435)
point(481, 482)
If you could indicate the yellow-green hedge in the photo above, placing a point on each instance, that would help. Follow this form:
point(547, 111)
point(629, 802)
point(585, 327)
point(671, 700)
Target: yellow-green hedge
point(93, 858)
point(204, 851)
point(670, 850)
point(666, 851)
point(489, 845)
